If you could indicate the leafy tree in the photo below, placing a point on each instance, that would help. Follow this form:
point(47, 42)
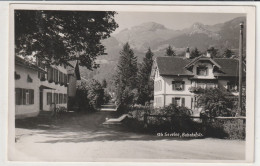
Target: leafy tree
point(213, 51)
point(55, 37)
point(125, 78)
point(215, 103)
point(145, 84)
point(195, 53)
point(170, 51)
point(228, 53)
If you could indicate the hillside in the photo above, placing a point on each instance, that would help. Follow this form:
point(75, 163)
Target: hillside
point(158, 37)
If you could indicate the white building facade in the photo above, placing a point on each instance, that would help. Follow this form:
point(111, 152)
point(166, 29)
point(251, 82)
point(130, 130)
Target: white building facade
point(176, 79)
point(38, 86)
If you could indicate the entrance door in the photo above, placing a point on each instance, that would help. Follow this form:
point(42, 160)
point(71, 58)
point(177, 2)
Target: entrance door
point(41, 100)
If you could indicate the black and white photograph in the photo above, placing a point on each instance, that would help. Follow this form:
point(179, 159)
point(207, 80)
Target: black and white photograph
point(131, 83)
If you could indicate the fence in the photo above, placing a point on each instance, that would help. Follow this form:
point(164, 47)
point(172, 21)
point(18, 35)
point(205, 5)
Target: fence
point(223, 127)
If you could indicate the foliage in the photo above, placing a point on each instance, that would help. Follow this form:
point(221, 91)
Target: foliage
point(90, 95)
point(215, 103)
point(126, 77)
point(196, 90)
point(95, 94)
point(169, 51)
point(106, 97)
point(228, 53)
point(173, 110)
point(81, 98)
point(58, 36)
point(213, 52)
point(104, 83)
point(226, 128)
point(195, 53)
point(145, 83)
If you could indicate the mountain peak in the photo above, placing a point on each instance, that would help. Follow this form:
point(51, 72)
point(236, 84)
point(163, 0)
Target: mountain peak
point(150, 26)
point(197, 25)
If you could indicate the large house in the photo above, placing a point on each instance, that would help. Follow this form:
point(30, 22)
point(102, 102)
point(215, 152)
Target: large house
point(38, 86)
point(176, 79)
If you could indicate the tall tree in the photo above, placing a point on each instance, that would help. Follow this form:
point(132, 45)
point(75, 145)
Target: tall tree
point(195, 53)
point(125, 78)
point(170, 51)
point(145, 84)
point(228, 53)
point(59, 36)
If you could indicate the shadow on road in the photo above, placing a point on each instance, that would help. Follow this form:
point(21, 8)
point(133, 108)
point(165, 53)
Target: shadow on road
point(76, 128)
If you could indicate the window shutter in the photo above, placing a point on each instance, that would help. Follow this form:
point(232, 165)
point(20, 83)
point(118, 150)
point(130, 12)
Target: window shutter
point(66, 79)
point(24, 96)
point(65, 98)
point(53, 74)
point(183, 85)
point(183, 102)
point(31, 96)
point(173, 100)
point(49, 74)
point(59, 77)
point(18, 96)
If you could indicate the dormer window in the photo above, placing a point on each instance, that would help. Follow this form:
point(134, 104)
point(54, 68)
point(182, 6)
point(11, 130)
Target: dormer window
point(202, 70)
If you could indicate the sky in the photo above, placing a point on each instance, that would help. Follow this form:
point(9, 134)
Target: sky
point(171, 20)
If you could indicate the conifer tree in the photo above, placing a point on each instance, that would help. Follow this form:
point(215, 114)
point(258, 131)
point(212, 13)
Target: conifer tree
point(228, 53)
point(195, 53)
point(145, 84)
point(170, 51)
point(126, 77)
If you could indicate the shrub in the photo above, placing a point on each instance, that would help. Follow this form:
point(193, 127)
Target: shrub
point(226, 128)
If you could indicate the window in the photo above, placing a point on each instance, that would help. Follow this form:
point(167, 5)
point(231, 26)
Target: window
point(27, 97)
point(158, 100)
point(202, 71)
point(178, 101)
point(178, 85)
point(232, 86)
point(49, 98)
point(24, 96)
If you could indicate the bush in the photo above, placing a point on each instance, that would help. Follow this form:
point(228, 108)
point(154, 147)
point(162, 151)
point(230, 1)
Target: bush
point(226, 128)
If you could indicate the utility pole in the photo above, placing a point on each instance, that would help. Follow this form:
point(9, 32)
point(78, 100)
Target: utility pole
point(240, 67)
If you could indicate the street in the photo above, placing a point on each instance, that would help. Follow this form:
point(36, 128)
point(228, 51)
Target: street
point(83, 138)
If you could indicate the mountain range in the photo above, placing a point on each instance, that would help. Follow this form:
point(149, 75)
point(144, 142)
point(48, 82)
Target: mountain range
point(158, 38)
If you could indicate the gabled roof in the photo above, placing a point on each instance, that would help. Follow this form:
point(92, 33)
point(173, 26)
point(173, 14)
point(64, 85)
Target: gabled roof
point(170, 66)
point(202, 58)
point(173, 66)
point(229, 67)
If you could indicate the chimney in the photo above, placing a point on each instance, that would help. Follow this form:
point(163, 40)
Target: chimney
point(208, 54)
point(187, 53)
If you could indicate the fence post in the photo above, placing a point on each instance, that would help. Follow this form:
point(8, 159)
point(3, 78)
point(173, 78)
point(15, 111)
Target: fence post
point(145, 120)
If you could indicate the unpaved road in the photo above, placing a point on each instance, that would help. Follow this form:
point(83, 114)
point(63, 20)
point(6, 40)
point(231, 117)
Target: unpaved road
point(82, 138)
